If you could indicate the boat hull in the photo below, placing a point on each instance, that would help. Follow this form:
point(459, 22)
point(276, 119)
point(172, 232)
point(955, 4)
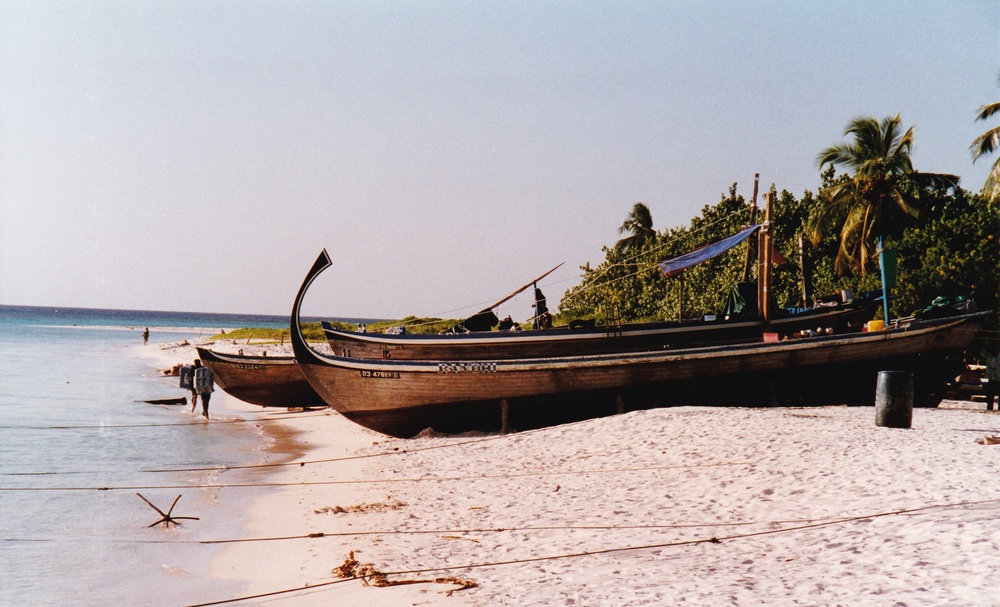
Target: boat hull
point(267, 381)
point(401, 398)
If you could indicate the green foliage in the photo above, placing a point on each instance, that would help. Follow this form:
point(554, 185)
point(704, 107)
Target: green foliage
point(312, 331)
point(952, 249)
point(629, 286)
point(956, 252)
point(413, 325)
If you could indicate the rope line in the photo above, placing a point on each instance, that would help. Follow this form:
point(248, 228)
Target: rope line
point(395, 451)
point(650, 265)
point(599, 272)
point(323, 534)
point(375, 481)
point(234, 420)
point(711, 540)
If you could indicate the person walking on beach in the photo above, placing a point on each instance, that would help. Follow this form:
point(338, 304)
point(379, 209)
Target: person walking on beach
point(189, 381)
point(202, 384)
point(145, 336)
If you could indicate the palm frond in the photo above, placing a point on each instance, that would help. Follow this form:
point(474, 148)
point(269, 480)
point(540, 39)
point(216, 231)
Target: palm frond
point(991, 189)
point(938, 181)
point(988, 110)
point(986, 143)
point(639, 224)
point(842, 154)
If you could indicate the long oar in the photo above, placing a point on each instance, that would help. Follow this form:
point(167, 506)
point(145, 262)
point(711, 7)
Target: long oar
point(514, 294)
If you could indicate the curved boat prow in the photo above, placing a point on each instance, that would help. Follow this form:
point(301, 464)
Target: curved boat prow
point(303, 354)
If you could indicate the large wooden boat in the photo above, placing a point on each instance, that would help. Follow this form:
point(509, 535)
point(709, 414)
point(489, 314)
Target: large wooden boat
point(268, 381)
point(403, 397)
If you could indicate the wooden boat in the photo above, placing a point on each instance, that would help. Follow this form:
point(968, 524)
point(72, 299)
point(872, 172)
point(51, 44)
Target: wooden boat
point(566, 341)
point(268, 381)
point(403, 397)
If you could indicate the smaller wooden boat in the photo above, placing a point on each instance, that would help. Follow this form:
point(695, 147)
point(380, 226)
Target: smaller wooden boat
point(267, 381)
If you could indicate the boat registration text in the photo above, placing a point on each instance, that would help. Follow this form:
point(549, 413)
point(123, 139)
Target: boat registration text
point(381, 374)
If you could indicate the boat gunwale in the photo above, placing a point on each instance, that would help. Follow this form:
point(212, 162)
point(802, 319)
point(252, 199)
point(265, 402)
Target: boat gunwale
point(560, 334)
point(235, 359)
point(649, 357)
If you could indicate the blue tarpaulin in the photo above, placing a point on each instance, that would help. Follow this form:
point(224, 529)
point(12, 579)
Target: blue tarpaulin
point(672, 267)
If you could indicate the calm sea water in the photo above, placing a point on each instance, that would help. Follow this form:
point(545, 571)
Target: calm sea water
point(72, 424)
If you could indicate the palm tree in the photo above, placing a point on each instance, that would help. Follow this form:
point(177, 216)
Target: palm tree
point(640, 224)
point(987, 143)
point(868, 204)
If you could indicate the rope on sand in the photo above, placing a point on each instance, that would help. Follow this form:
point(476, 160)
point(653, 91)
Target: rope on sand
point(711, 540)
point(455, 533)
point(374, 481)
point(108, 426)
point(393, 452)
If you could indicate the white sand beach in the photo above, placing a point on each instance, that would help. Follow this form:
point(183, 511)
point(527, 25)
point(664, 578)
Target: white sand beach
point(687, 505)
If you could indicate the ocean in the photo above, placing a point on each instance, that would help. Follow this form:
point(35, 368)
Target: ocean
point(77, 445)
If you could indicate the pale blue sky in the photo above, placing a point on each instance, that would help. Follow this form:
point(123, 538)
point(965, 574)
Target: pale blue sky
point(197, 155)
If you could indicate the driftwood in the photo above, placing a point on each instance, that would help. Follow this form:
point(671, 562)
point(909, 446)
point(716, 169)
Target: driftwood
point(167, 518)
point(167, 401)
point(369, 576)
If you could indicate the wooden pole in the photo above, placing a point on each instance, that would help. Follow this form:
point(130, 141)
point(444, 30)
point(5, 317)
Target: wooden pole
point(753, 218)
point(802, 270)
point(766, 237)
point(680, 297)
point(761, 243)
point(504, 416)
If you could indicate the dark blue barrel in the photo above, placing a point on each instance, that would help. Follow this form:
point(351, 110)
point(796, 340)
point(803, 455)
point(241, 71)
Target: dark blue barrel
point(894, 399)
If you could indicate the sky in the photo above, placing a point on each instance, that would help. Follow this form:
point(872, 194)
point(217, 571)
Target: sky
point(197, 156)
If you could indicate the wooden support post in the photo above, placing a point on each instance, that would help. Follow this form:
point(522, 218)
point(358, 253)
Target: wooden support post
point(805, 275)
point(680, 297)
point(764, 290)
point(504, 416)
point(619, 404)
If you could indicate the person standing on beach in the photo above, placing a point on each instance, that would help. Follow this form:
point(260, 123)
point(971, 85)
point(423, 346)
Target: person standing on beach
point(190, 381)
point(202, 384)
point(145, 336)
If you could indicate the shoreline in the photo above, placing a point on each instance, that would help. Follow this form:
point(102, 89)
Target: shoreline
point(296, 436)
point(703, 505)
